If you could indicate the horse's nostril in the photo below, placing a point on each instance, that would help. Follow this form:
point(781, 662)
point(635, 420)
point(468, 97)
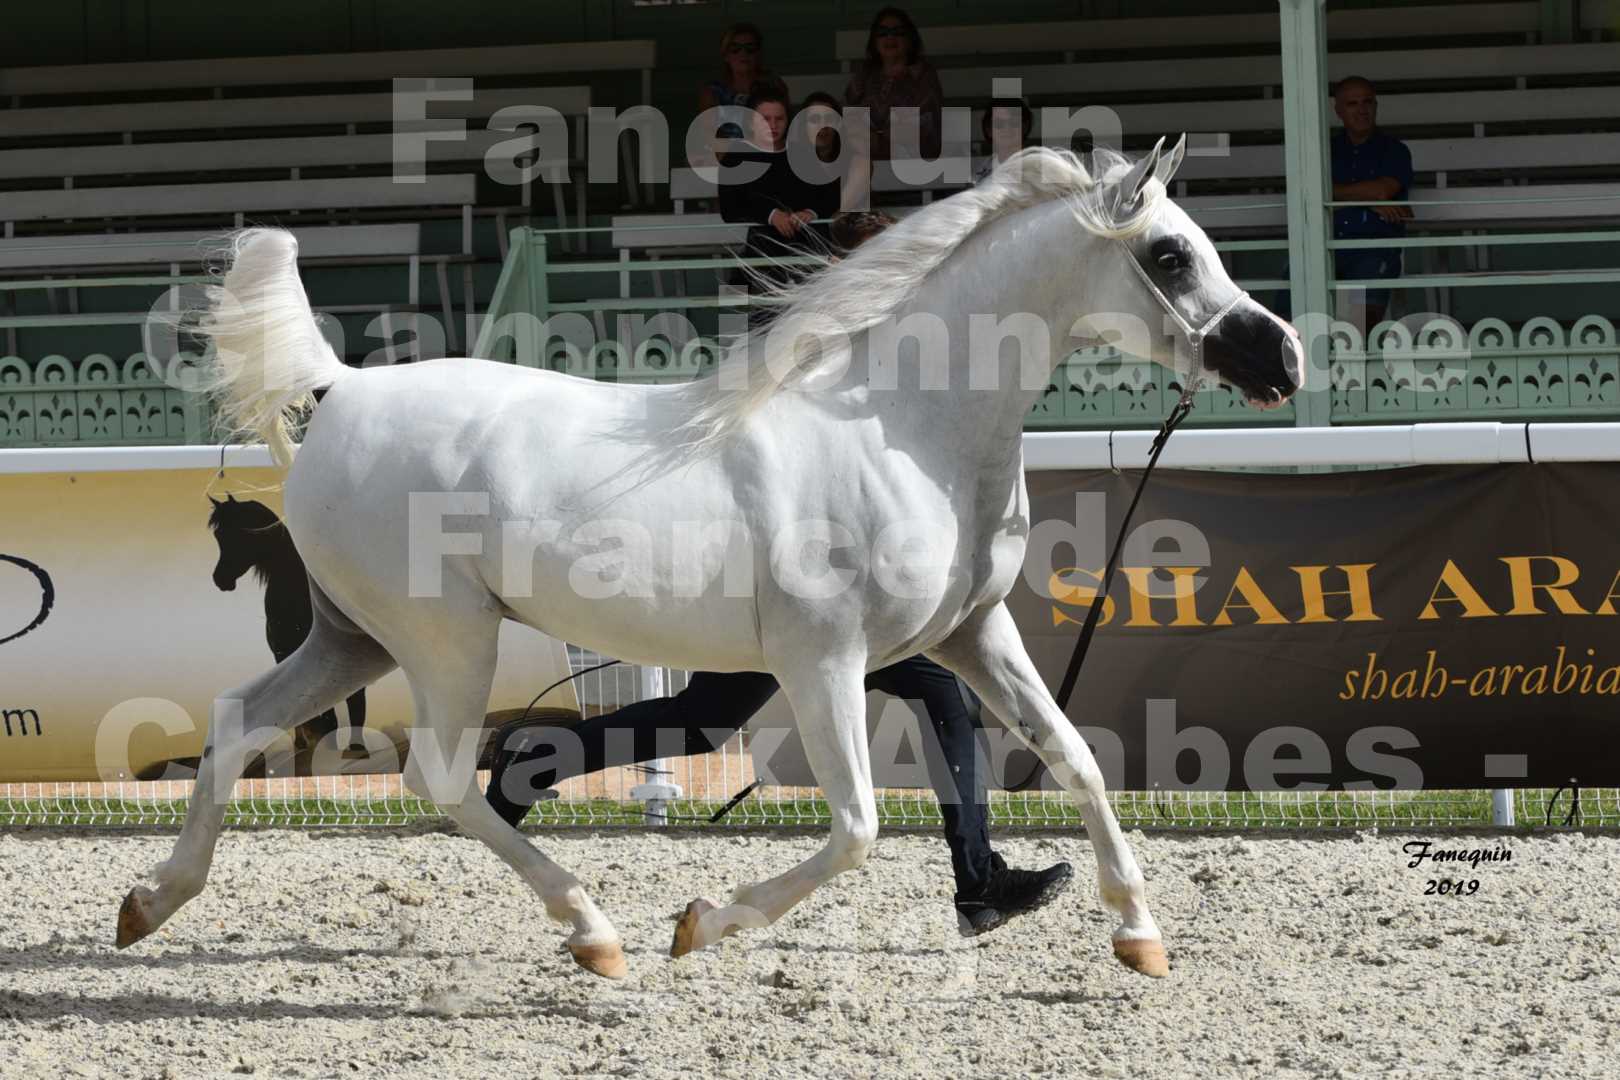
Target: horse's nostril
point(1292, 365)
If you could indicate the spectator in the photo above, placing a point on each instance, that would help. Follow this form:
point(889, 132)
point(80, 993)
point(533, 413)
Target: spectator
point(895, 76)
point(823, 122)
point(1006, 127)
point(742, 71)
point(1368, 166)
point(779, 203)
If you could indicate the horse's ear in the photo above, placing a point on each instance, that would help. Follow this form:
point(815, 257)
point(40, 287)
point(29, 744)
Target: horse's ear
point(1170, 162)
point(213, 500)
point(230, 498)
point(1135, 182)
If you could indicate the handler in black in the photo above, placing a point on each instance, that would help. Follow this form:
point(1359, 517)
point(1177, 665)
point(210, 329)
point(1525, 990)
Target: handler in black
point(714, 706)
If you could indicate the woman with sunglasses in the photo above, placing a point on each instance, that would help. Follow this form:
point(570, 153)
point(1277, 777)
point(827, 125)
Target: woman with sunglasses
point(895, 76)
point(742, 71)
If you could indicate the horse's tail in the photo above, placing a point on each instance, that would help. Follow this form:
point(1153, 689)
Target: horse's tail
point(269, 357)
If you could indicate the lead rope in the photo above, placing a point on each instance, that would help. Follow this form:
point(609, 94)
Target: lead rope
point(1089, 628)
point(1094, 613)
point(1195, 338)
point(1574, 815)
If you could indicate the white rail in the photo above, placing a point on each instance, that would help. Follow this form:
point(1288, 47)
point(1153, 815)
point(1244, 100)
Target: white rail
point(1383, 444)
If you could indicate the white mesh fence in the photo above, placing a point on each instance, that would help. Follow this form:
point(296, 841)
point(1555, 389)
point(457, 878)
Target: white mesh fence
point(708, 782)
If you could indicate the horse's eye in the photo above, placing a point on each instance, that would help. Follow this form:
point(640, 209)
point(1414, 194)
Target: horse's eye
point(1172, 260)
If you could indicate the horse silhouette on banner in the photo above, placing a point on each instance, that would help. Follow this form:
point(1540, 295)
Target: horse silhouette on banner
point(252, 538)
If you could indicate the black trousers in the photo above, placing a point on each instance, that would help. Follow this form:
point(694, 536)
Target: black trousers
point(700, 718)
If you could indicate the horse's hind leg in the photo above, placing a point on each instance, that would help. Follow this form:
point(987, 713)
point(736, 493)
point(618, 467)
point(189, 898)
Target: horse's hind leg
point(830, 704)
point(451, 683)
point(988, 653)
point(336, 658)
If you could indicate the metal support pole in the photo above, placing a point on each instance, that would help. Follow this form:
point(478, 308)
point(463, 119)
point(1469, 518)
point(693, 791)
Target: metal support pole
point(1305, 85)
point(1502, 808)
point(1560, 21)
point(659, 789)
point(539, 281)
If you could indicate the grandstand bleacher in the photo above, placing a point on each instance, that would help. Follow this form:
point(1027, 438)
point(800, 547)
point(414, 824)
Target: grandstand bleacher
point(331, 69)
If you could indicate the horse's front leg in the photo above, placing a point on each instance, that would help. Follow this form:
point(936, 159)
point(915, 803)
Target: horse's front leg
point(829, 701)
point(988, 653)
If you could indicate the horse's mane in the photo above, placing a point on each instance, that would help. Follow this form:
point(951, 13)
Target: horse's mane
point(859, 292)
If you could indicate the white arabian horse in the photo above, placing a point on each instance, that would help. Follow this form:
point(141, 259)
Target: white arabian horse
point(905, 421)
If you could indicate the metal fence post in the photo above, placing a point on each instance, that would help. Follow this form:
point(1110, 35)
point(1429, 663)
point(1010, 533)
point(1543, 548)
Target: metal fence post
point(1305, 148)
point(539, 279)
point(1502, 807)
point(659, 790)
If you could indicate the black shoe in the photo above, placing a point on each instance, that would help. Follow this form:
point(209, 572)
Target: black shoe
point(503, 749)
point(512, 811)
point(1010, 893)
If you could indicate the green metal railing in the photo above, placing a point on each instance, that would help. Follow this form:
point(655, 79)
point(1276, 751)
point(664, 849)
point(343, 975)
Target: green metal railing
point(1441, 370)
point(97, 401)
point(1436, 369)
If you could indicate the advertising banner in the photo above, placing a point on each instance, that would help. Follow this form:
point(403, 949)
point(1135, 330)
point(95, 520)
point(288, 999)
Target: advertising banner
point(123, 613)
point(1429, 627)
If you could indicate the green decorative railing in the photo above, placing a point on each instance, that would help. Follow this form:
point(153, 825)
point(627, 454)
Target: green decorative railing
point(97, 401)
point(1100, 387)
point(1541, 368)
point(1441, 371)
point(1447, 372)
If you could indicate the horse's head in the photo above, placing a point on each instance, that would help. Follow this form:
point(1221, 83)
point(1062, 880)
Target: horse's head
point(244, 531)
point(1167, 274)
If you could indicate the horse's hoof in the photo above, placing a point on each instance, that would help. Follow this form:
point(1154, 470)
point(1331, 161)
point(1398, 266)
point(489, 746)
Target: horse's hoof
point(132, 921)
point(604, 960)
point(686, 927)
point(1145, 956)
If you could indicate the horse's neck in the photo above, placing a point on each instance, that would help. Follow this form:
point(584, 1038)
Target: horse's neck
point(281, 570)
point(1007, 275)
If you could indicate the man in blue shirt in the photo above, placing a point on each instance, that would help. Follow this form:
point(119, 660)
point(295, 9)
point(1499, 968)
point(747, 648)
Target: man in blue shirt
point(1368, 166)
